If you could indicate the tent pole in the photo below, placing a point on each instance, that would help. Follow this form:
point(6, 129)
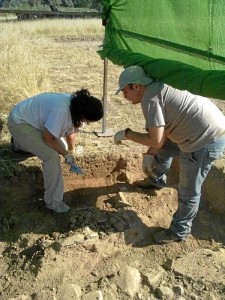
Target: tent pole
point(105, 83)
point(105, 131)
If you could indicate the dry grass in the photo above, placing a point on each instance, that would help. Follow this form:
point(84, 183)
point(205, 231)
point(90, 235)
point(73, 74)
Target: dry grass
point(61, 55)
point(23, 70)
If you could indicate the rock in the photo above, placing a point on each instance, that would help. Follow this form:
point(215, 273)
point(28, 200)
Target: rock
point(112, 220)
point(94, 273)
point(76, 288)
point(178, 289)
point(168, 265)
point(92, 235)
point(110, 294)
point(153, 276)
point(91, 247)
point(128, 280)
point(56, 246)
point(119, 226)
point(94, 295)
point(103, 282)
point(164, 292)
point(120, 201)
point(69, 291)
point(77, 238)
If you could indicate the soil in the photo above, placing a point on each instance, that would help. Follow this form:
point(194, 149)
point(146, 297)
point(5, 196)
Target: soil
point(103, 248)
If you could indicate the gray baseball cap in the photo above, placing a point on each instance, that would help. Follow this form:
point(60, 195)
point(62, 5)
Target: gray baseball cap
point(133, 74)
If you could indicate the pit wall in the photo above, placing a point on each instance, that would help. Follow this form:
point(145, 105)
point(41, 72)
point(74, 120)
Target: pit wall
point(107, 169)
point(214, 187)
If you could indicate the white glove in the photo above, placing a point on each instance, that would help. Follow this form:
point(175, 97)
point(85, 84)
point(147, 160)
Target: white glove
point(76, 151)
point(69, 159)
point(119, 136)
point(147, 163)
point(79, 149)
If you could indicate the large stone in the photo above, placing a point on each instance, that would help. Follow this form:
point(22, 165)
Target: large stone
point(129, 280)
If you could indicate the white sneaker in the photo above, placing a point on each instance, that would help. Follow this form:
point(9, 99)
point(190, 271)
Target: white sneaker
point(61, 208)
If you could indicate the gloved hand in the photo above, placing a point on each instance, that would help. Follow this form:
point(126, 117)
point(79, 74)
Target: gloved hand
point(77, 150)
point(69, 158)
point(119, 136)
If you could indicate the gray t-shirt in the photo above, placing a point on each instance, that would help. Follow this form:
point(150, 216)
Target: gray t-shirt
point(190, 121)
point(46, 110)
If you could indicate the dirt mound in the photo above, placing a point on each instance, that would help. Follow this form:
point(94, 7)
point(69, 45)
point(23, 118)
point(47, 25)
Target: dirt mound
point(103, 248)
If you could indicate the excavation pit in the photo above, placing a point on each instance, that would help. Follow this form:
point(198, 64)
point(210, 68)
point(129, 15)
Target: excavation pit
point(108, 232)
point(106, 199)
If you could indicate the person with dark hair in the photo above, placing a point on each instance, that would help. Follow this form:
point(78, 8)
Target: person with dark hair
point(177, 123)
point(37, 126)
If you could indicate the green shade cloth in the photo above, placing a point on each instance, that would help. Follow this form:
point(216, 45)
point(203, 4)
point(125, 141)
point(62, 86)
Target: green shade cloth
point(180, 42)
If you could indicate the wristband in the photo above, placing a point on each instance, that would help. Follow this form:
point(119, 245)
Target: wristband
point(126, 131)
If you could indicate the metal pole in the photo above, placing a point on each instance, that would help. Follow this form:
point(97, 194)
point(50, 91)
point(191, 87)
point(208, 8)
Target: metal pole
point(105, 82)
point(105, 131)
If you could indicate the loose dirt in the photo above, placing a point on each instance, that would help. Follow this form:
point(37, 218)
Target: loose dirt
point(103, 248)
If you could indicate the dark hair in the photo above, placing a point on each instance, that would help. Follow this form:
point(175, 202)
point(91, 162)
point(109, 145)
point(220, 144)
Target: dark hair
point(85, 106)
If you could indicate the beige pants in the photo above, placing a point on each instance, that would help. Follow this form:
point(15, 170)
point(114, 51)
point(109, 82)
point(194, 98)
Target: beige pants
point(32, 141)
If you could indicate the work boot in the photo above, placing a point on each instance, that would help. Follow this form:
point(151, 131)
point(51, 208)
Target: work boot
point(165, 237)
point(150, 183)
point(60, 209)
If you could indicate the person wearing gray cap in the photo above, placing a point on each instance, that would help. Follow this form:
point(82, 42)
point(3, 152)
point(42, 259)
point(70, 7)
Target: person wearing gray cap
point(177, 123)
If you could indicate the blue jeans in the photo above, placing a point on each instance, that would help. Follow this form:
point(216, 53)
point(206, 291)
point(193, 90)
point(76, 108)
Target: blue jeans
point(194, 167)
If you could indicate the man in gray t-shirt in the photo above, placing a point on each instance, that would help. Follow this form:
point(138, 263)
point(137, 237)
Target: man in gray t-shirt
point(177, 123)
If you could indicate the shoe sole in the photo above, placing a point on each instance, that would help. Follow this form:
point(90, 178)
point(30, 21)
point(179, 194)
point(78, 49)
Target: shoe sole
point(164, 242)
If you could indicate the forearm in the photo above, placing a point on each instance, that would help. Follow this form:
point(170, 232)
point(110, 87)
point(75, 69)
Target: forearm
point(70, 139)
point(56, 145)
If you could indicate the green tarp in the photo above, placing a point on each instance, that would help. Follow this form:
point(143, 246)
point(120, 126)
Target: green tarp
point(180, 42)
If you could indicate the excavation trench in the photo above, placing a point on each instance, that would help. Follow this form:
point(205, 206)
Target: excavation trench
point(105, 198)
point(122, 170)
point(109, 228)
